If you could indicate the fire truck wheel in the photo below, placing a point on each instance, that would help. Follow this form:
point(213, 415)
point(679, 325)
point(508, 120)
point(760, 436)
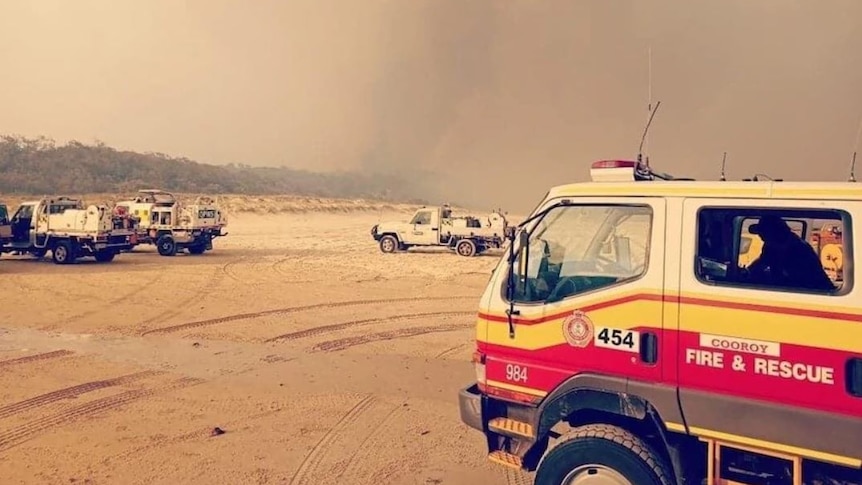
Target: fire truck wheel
point(601, 454)
point(466, 247)
point(63, 252)
point(388, 244)
point(104, 256)
point(166, 245)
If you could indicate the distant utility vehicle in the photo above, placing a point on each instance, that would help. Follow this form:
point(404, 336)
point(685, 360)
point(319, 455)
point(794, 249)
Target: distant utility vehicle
point(434, 226)
point(65, 227)
point(173, 226)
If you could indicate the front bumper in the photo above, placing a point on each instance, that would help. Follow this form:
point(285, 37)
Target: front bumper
point(471, 403)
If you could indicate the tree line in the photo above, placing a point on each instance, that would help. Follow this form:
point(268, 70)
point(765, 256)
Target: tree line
point(41, 166)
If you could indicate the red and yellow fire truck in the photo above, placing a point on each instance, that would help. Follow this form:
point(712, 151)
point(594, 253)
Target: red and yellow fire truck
point(621, 342)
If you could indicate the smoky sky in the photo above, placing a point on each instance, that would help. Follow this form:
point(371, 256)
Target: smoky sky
point(484, 102)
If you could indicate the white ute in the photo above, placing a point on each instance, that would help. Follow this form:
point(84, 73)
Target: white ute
point(69, 230)
point(435, 226)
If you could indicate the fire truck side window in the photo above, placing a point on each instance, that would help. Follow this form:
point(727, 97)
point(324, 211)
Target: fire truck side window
point(800, 250)
point(576, 249)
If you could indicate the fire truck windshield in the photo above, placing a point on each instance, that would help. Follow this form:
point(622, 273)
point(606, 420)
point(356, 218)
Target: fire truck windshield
point(578, 248)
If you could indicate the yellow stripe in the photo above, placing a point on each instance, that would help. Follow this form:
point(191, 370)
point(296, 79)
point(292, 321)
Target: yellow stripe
point(546, 334)
point(843, 335)
point(511, 387)
point(799, 330)
point(771, 302)
point(766, 445)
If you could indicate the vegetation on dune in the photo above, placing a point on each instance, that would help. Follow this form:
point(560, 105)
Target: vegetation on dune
point(41, 166)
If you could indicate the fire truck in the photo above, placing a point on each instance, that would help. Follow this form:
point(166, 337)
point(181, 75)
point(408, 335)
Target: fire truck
point(620, 340)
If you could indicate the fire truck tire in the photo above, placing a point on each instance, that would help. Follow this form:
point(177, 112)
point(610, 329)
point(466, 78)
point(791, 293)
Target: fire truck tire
point(166, 245)
point(466, 248)
point(104, 256)
point(592, 451)
point(388, 244)
point(64, 252)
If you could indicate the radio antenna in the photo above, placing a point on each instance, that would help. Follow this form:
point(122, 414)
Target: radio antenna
point(649, 89)
point(852, 168)
point(646, 130)
point(855, 147)
point(723, 162)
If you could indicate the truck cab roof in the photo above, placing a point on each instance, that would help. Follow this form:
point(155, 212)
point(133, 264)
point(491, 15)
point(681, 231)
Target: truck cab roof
point(633, 179)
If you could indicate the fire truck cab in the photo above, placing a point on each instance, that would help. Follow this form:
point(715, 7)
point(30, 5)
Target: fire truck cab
point(630, 336)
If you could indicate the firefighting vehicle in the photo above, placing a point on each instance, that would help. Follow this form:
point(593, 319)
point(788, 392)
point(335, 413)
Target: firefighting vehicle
point(621, 342)
point(173, 226)
point(67, 228)
point(435, 226)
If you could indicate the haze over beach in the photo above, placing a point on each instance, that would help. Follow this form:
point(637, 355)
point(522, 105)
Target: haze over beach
point(501, 100)
point(296, 349)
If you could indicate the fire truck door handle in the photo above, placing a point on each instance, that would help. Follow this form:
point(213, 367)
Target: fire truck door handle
point(854, 377)
point(649, 348)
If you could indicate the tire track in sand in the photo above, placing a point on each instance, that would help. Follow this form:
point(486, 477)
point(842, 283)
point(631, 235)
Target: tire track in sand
point(175, 308)
point(226, 268)
point(284, 311)
point(35, 358)
point(20, 434)
point(451, 350)
point(121, 298)
point(137, 452)
point(354, 428)
point(345, 343)
point(71, 392)
point(322, 330)
point(350, 468)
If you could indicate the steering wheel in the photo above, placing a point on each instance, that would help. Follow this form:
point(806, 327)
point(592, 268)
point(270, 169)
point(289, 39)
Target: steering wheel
point(565, 288)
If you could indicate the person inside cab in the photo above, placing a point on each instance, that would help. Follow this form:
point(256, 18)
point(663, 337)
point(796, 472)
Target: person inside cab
point(786, 260)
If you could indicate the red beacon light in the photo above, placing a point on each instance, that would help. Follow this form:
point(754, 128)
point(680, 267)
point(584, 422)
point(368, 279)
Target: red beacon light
point(619, 171)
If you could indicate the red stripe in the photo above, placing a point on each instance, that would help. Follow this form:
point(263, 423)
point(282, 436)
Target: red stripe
point(588, 308)
point(852, 317)
point(547, 368)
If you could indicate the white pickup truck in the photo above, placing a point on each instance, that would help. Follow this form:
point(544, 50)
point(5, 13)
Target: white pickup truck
point(68, 229)
point(434, 226)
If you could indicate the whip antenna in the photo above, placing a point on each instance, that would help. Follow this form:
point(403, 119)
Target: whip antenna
point(723, 162)
point(855, 147)
point(646, 130)
point(853, 168)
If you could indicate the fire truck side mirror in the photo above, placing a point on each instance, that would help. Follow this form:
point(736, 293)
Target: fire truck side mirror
point(510, 233)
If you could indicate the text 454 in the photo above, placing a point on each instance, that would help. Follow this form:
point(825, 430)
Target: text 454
point(618, 339)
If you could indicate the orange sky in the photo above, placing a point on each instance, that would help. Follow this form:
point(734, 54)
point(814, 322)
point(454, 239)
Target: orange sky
point(502, 98)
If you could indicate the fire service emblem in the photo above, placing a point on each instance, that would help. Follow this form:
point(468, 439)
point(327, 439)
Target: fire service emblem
point(578, 329)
